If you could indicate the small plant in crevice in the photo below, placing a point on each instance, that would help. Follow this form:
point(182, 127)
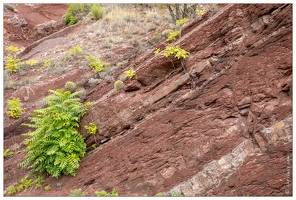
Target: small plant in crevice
point(12, 49)
point(73, 53)
point(11, 189)
point(103, 193)
point(47, 187)
point(173, 34)
point(91, 128)
point(8, 154)
point(47, 63)
point(15, 108)
point(200, 12)
point(38, 181)
point(176, 52)
point(130, 73)
point(31, 62)
point(118, 85)
point(159, 194)
point(70, 85)
point(96, 64)
point(77, 192)
point(59, 185)
point(181, 22)
point(11, 64)
point(180, 194)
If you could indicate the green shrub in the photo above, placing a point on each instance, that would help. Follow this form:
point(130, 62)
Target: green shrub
point(91, 128)
point(11, 189)
point(118, 85)
point(11, 64)
point(70, 85)
point(55, 146)
point(97, 11)
point(173, 34)
point(103, 193)
point(176, 51)
point(26, 182)
point(8, 154)
point(31, 62)
point(130, 73)
point(75, 12)
point(77, 193)
point(181, 21)
point(157, 51)
point(12, 49)
point(15, 109)
point(47, 63)
point(96, 64)
point(38, 182)
point(200, 12)
point(47, 187)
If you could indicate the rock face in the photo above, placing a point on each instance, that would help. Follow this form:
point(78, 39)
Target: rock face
point(30, 22)
point(225, 130)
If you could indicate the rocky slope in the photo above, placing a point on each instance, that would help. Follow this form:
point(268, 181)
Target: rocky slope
point(223, 130)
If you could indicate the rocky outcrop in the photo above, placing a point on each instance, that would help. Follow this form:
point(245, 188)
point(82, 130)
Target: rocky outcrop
point(31, 22)
point(223, 130)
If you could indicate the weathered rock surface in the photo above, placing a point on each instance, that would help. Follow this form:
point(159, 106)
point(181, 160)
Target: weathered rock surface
point(226, 130)
point(31, 22)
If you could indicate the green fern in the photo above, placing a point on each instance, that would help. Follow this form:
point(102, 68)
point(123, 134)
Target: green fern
point(55, 146)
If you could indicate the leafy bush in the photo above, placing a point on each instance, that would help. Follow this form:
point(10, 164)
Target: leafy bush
point(77, 193)
point(12, 49)
point(55, 146)
point(118, 85)
point(103, 193)
point(91, 128)
point(97, 11)
point(15, 109)
point(11, 64)
point(75, 12)
point(130, 73)
point(176, 51)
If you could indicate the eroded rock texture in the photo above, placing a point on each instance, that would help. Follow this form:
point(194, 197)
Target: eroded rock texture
point(225, 130)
